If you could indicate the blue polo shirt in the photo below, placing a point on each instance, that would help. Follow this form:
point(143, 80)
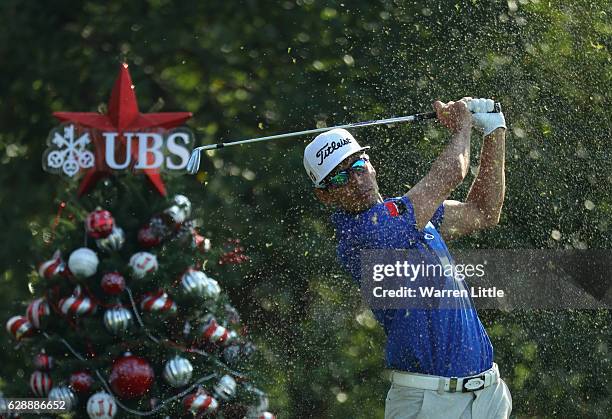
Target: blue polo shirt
point(449, 342)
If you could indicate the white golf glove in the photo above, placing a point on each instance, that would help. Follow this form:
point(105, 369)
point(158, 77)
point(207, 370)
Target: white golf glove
point(483, 120)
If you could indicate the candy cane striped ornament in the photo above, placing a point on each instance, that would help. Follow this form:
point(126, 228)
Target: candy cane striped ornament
point(158, 302)
point(19, 327)
point(200, 403)
point(52, 267)
point(77, 305)
point(213, 332)
point(40, 383)
point(37, 311)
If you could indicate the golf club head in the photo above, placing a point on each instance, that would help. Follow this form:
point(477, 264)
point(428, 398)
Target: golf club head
point(193, 165)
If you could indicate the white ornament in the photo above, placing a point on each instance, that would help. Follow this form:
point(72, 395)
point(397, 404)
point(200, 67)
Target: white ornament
point(177, 372)
point(69, 154)
point(101, 405)
point(181, 210)
point(143, 263)
point(83, 262)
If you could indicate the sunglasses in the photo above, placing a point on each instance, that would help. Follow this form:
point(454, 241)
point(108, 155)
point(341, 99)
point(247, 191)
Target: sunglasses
point(342, 177)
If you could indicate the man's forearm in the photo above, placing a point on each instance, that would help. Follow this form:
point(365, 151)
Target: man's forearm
point(453, 163)
point(487, 190)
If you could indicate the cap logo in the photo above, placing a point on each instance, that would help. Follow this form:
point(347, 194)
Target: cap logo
point(327, 150)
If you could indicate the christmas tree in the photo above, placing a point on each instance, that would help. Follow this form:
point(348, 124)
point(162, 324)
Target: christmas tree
point(129, 317)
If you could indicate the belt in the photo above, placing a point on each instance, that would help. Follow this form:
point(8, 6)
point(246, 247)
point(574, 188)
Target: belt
point(452, 384)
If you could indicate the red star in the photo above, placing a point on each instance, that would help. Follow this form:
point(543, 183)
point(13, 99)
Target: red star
point(122, 116)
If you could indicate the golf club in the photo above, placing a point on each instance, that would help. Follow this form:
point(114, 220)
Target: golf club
point(193, 165)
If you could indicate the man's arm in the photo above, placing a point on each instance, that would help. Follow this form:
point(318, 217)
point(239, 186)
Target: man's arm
point(449, 169)
point(483, 205)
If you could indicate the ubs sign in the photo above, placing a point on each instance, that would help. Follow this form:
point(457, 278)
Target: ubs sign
point(122, 139)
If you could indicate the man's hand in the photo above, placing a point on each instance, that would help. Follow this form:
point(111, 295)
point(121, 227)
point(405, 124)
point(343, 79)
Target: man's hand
point(483, 120)
point(454, 115)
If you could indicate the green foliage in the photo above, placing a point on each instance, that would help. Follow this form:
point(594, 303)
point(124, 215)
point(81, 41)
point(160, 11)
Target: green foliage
point(251, 68)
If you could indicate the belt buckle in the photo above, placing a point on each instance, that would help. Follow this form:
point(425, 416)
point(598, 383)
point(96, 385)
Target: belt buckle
point(473, 384)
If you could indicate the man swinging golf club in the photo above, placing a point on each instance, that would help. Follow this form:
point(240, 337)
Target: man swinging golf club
point(441, 361)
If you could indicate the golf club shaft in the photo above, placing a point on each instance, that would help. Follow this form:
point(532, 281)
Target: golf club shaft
point(417, 117)
point(194, 161)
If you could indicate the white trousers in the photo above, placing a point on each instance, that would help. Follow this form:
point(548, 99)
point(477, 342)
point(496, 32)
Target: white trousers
point(493, 402)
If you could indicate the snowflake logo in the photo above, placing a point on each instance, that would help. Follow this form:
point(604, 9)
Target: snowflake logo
point(67, 154)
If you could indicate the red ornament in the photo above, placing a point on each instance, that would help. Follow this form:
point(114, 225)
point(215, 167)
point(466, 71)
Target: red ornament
point(113, 283)
point(123, 116)
point(148, 237)
point(131, 377)
point(43, 362)
point(81, 382)
point(99, 224)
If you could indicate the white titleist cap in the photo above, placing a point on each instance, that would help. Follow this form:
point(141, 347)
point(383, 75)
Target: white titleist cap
point(327, 151)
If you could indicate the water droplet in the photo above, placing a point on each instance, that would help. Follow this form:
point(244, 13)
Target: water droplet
point(534, 154)
point(519, 132)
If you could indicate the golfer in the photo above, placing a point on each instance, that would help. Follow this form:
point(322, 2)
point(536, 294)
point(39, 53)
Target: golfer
point(440, 361)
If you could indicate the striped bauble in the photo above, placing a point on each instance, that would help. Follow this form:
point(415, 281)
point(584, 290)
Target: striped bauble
point(19, 327)
point(158, 302)
point(65, 394)
point(40, 383)
point(52, 267)
point(213, 332)
point(200, 403)
point(37, 311)
point(197, 283)
point(117, 320)
point(77, 305)
point(178, 371)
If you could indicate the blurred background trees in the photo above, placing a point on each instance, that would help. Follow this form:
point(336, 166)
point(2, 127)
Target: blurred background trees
point(250, 68)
